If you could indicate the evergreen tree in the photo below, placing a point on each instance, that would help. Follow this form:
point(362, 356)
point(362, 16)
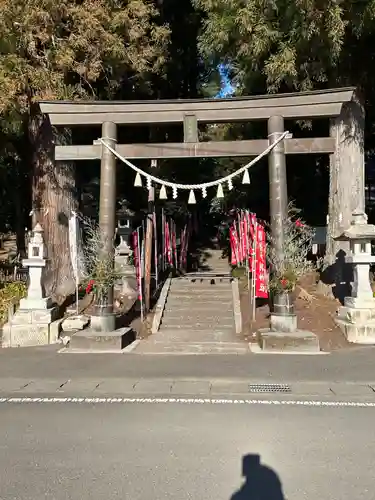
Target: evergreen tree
point(66, 50)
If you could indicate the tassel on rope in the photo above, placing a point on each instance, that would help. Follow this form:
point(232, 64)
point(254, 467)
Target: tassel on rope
point(192, 200)
point(220, 192)
point(174, 192)
point(138, 180)
point(163, 193)
point(246, 177)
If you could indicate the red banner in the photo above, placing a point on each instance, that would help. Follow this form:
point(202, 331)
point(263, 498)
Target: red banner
point(233, 236)
point(174, 243)
point(261, 288)
point(252, 225)
point(184, 247)
point(137, 263)
point(167, 246)
point(245, 237)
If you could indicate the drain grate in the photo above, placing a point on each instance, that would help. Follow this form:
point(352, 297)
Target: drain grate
point(269, 388)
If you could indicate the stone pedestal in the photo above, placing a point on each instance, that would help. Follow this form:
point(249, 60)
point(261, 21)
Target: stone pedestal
point(31, 327)
point(283, 335)
point(31, 324)
point(356, 317)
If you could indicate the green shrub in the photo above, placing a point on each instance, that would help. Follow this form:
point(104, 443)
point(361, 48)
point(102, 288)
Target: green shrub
point(10, 293)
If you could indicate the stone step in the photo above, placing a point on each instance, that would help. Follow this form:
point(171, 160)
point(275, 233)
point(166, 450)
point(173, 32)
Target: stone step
point(187, 319)
point(177, 325)
point(221, 277)
point(189, 315)
point(156, 347)
point(204, 336)
point(298, 341)
point(210, 306)
point(197, 296)
point(201, 287)
point(203, 299)
point(210, 282)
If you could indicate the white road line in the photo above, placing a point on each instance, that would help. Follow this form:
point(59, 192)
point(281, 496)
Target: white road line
point(196, 401)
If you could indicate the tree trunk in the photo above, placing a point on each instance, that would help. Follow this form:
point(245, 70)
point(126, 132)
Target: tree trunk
point(53, 199)
point(346, 192)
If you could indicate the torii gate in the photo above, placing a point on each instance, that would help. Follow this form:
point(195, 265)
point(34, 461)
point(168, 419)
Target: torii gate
point(345, 145)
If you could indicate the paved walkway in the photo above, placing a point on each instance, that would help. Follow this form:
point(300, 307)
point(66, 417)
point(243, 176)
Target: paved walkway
point(24, 365)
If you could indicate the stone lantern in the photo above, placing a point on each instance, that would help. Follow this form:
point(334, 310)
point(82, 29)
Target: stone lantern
point(32, 323)
point(124, 229)
point(357, 317)
point(125, 218)
point(36, 261)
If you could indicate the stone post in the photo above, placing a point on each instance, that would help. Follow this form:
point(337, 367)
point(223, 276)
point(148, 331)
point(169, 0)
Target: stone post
point(347, 176)
point(107, 212)
point(278, 194)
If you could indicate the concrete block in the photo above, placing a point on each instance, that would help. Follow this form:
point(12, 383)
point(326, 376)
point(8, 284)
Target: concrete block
point(91, 341)
point(283, 322)
point(27, 335)
point(298, 341)
point(22, 317)
point(75, 323)
point(358, 333)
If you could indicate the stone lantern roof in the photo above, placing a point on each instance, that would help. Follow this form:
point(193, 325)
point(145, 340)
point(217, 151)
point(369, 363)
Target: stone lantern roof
point(359, 228)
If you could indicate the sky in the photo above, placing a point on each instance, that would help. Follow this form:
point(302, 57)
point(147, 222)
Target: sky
point(227, 89)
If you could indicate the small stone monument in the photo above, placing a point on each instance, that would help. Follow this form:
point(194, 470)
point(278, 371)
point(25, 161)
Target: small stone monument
point(124, 229)
point(123, 251)
point(357, 317)
point(31, 324)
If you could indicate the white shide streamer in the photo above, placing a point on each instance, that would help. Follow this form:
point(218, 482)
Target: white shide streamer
point(204, 185)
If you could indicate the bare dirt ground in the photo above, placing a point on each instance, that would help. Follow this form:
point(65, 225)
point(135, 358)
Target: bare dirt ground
point(315, 313)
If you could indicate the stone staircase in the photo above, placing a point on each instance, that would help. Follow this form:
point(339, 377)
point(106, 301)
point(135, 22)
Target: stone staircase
point(199, 314)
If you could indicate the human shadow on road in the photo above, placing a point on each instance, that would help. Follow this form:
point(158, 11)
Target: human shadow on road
point(261, 482)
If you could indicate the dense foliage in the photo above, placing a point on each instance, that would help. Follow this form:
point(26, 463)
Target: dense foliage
point(128, 49)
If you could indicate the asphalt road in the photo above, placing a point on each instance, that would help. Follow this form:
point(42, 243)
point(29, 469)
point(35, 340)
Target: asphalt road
point(178, 451)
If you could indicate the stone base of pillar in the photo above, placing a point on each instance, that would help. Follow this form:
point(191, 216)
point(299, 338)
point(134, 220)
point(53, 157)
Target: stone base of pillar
point(89, 341)
point(283, 322)
point(283, 336)
point(281, 342)
point(31, 327)
point(356, 320)
point(106, 323)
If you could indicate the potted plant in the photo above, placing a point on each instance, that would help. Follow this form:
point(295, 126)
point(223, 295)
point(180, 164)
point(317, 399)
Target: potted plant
point(286, 272)
point(100, 272)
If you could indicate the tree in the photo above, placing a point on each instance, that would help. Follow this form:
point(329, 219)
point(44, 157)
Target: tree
point(288, 45)
point(66, 50)
point(282, 44)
